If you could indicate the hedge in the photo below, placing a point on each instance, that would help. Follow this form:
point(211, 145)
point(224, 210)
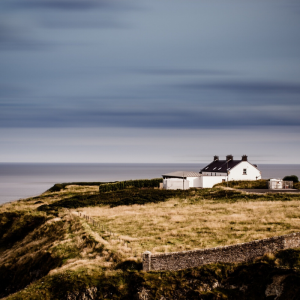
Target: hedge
point(57, 187)
point(293, 178)
point(139, 183)
point(245, 184)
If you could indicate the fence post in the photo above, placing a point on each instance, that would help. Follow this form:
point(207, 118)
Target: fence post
point(146, 261)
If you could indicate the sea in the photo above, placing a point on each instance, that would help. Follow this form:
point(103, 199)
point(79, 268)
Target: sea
point(22, 180)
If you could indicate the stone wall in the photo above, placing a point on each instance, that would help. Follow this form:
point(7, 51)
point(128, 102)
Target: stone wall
point(228, 254)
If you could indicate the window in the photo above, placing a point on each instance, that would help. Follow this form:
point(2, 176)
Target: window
point(244, 171)
point(223, 180)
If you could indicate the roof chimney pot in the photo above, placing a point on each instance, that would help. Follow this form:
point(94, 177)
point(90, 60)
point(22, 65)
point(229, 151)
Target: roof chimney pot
point(244, 158)
point(229, 157)
point(216, 157)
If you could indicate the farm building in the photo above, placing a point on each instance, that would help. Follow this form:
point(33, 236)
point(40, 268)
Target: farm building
point(215, 172)
point(229, 169)
point(279, 184)
point(181, 180)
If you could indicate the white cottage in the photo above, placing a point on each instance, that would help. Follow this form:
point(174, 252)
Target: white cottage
point(216, 172)
point(229, 169)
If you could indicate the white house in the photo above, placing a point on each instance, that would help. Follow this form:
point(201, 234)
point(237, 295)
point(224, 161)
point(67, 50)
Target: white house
point(229, 169)
point(216, 172)
point(181, 180)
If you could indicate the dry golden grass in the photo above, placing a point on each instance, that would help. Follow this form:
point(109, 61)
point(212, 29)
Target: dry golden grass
point(177, 225)
point(30, 204)
point(174, 225)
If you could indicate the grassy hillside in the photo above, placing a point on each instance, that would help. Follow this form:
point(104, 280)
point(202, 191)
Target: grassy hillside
point(48, 250)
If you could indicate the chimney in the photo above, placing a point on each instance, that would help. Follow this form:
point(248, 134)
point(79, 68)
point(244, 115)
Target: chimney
point(229, 157)
point(244, 158)
point(216, 157)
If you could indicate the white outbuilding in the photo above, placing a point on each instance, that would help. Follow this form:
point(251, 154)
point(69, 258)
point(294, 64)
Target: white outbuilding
point(181, 180)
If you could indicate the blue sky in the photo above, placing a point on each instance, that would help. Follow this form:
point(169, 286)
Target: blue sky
point(149, 81)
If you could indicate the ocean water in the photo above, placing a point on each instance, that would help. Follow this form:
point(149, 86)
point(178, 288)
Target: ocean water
point(21, 180)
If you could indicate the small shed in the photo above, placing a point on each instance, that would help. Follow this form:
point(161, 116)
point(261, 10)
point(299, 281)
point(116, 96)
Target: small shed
point(181, 180)
point(279, 184)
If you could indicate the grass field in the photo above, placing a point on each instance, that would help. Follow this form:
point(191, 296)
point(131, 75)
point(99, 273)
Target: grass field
point(45, 235)
point(182, 224)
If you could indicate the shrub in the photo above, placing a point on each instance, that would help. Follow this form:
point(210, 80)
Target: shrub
point(139, 183)
point(297, 185)
point(293, 178)
point(57, 187)
point(245, 184)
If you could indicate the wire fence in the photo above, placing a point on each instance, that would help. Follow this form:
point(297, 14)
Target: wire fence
point(103, 228)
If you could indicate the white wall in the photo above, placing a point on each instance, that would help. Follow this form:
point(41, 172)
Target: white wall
point(237, 172)
point(194, 181)
point(212, 174)
point(210, 181)
point(175, 184)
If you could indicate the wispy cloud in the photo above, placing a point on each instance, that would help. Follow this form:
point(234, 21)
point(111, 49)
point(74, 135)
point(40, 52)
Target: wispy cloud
point(247, 87)
point(72, 4)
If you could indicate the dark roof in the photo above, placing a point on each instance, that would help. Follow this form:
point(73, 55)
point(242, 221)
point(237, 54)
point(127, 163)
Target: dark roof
point(220, 166)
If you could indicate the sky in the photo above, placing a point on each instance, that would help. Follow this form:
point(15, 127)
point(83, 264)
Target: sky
point(160, 81)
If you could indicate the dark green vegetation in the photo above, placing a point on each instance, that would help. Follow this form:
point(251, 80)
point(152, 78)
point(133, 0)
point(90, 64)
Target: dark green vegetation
point(61, 186)
point(129, 196)
point(245, 184)
point(14, 226)
point(293, 178)
point(46, 252)
point(121, 185)
point(297, 185)
point(133, 196)
point(266, 278)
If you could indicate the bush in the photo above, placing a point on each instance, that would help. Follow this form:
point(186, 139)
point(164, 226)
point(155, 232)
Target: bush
point(293, 178)
point(57, 187)
point(245, 184)
point(121, 185)
point(297, 185)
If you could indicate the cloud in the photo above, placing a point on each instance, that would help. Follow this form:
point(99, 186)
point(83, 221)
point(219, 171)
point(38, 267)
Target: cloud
point(86, 115)
point(247, 87)
point(72, 4)
point(36, 15)
point(16, 38)
point(9, 90)
point(182, 72)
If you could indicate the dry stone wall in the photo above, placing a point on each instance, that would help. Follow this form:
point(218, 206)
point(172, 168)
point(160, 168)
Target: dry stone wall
point(229, 254)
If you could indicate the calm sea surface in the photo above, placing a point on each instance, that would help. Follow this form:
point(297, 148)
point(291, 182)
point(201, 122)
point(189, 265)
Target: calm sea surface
point(21, 180)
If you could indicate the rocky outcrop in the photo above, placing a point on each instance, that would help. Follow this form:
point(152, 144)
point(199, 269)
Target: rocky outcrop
point(87, 294)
